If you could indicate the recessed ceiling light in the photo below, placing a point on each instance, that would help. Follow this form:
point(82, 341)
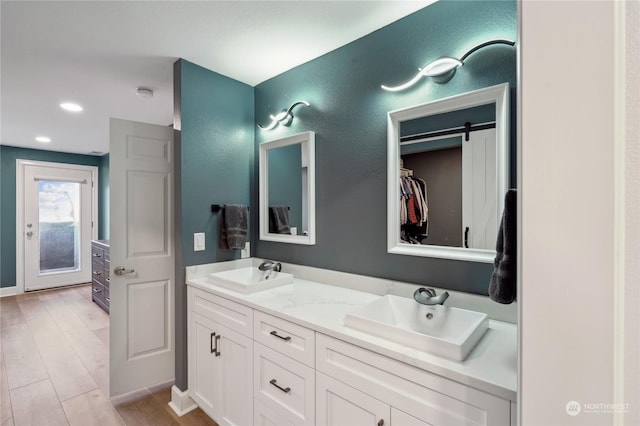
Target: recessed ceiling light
point(71, 107)
point(43, 139)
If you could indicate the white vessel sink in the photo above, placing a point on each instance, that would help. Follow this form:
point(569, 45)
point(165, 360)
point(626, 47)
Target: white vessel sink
point(250, 279)
point(449, 333)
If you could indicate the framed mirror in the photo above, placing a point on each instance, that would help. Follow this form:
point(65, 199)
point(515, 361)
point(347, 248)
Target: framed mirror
point(287, 189)
point(448, 165)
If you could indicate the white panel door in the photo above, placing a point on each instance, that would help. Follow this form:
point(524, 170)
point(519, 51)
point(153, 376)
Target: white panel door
point(340, 405)
point(55, 223)
point(142, 255)
point(479, 190)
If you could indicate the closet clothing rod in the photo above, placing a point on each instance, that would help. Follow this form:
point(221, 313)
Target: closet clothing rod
point(455, 131)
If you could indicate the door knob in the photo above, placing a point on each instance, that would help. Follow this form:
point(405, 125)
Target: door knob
point(120, 270)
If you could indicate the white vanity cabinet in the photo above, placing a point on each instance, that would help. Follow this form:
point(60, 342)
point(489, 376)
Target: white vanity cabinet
point(363, 386)
point(284, 375)
point(249, 367)
point(220, 357)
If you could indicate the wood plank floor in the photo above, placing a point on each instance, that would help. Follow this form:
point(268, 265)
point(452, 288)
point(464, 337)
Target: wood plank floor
point(54, 366)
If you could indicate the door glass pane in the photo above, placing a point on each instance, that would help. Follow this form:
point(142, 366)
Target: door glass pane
point(59, 206)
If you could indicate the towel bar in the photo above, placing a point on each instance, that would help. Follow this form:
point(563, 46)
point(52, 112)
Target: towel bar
point(215, 208)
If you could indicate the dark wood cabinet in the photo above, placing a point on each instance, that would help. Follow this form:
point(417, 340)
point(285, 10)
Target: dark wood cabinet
point(100, 266)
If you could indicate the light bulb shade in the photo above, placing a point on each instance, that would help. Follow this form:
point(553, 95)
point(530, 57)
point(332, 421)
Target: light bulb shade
point(441, 66)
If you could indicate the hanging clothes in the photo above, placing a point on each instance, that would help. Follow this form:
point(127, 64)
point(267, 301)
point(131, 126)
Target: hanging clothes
point(414, 210)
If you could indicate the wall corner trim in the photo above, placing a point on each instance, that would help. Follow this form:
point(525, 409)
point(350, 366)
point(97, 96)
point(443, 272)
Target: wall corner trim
point(180, 402)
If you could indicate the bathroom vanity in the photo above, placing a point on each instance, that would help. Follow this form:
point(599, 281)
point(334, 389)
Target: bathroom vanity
point(284, 356)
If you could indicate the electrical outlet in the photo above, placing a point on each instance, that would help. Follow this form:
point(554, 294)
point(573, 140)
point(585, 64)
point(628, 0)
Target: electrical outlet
point(198, 241)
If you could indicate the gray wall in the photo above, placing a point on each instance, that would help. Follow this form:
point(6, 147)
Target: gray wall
point(348, 113)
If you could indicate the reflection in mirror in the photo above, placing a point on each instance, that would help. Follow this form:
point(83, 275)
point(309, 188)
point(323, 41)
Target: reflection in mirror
point(287, 188)
point(449, 160)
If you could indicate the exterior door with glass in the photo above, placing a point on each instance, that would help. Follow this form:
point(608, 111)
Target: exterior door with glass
point(56, 225)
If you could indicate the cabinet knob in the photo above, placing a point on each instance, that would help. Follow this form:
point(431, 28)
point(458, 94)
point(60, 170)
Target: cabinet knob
point(381, 422)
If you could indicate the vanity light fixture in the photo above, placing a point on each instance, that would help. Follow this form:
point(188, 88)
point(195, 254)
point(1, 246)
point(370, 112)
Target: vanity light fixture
point(284, 117)
point(443, 69)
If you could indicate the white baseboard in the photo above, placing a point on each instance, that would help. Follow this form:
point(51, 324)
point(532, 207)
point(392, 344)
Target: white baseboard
point(129, 396)
point(8, 291)
point(181, 403)
point(139, 393)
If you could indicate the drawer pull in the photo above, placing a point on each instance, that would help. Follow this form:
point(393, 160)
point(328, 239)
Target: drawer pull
point(274, 382)
point(96, 255)
point(108, 299)
point(97, 273)
point(275, 333)
point(96, 290)
point(215, 338)
point(381, 422)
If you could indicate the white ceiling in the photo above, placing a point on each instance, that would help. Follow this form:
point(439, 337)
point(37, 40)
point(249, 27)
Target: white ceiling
point(96, 53)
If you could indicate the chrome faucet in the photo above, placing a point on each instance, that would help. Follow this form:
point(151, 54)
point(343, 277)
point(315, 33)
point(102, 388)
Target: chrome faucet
point(270, 265)
point(427, 296)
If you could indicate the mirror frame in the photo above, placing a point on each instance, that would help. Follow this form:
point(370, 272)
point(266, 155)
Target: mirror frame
point(308, 138)
point(499, 95)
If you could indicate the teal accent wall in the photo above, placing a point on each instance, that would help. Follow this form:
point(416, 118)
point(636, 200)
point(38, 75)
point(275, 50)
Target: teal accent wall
point(103, 198)
point(216, 155)
point(8, 157)
point(348, 113)
point(213, 123)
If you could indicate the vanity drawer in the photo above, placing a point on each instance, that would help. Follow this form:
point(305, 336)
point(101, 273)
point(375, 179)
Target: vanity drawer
point(97, 255)
point(428, 397)
point(230, 314)
point(97, 291)
point(284, 386)
point(285, 337)
point(98, 275)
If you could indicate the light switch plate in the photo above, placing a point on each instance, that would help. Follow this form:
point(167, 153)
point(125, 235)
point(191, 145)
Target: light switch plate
point(198, 241)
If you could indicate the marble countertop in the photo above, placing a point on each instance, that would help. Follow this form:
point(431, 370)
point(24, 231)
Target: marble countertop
point(491, 366)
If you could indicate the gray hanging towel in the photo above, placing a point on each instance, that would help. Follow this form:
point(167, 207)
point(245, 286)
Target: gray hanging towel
point(279, 220)
point(233, 226)
point(502, 286)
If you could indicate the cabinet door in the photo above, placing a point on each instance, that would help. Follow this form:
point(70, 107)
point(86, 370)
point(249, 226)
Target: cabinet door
point(265, 416)
point(400, 418)
point(340, 405)
point(234, 381)
point(203, 364)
